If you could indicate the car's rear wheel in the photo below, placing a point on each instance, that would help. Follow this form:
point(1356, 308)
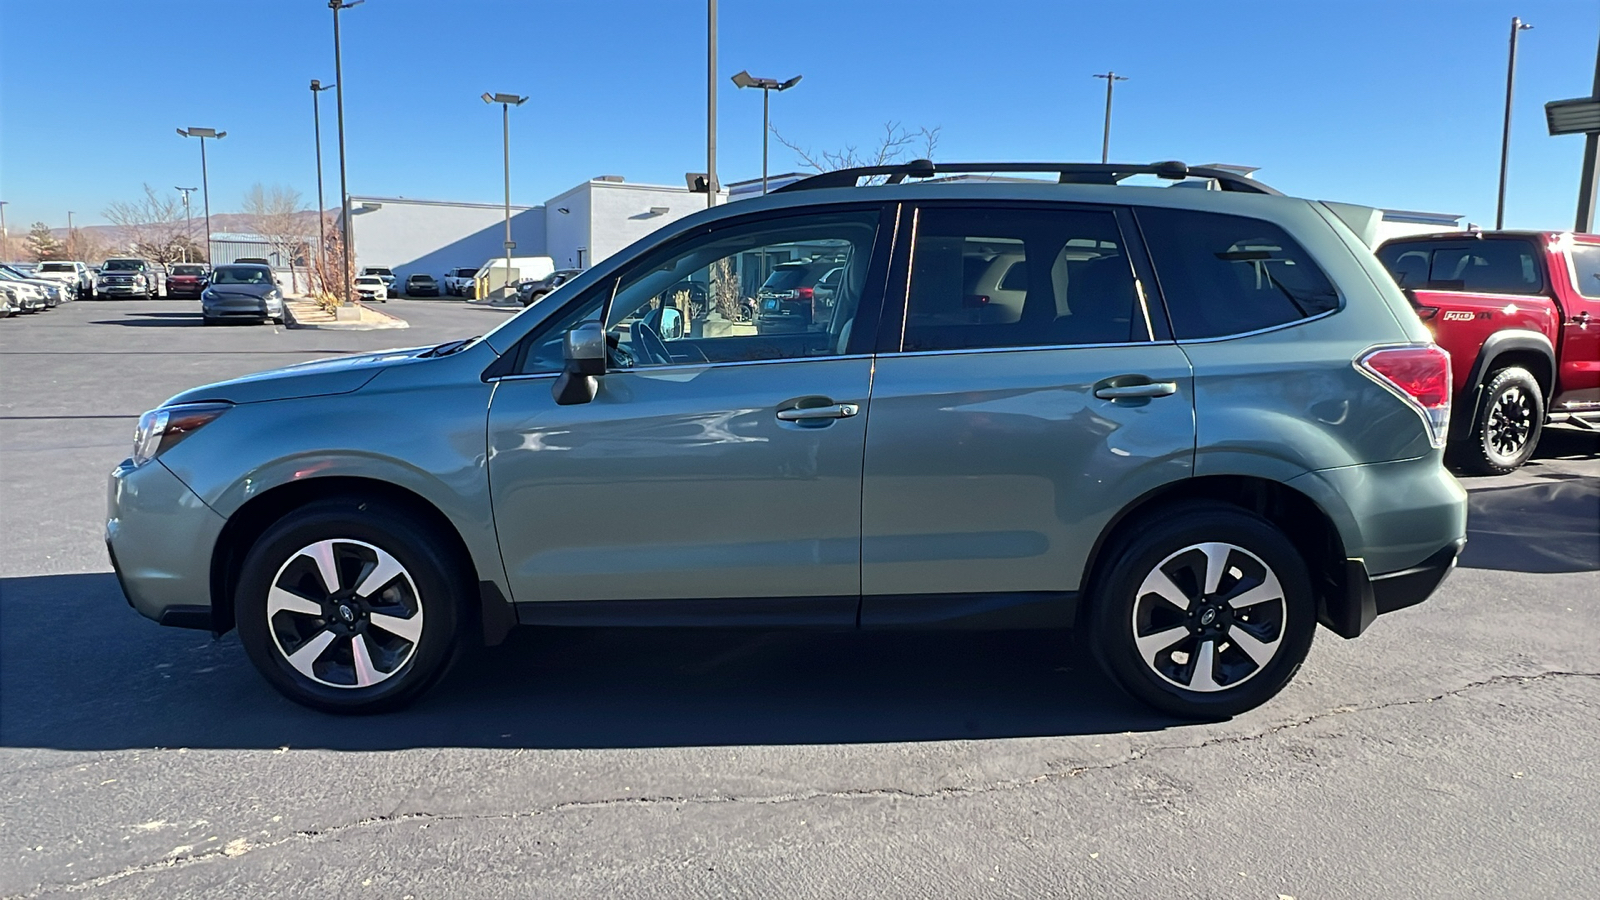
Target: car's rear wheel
point(350, 605)
point(1510, 418)
point(1205, 611)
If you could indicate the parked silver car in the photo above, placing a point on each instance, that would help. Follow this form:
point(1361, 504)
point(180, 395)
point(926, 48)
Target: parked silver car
point(1198, 424)
point(241, 292)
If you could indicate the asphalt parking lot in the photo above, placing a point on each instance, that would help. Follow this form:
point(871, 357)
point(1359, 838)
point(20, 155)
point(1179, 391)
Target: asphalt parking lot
point(1448, 752)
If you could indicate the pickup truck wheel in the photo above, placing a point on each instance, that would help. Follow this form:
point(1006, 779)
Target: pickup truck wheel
point(350, 605)
point(1510, 417)
point(1205, 611)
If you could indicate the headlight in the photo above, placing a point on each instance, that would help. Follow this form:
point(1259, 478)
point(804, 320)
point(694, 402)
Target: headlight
point(273, 296)
point(161, 429)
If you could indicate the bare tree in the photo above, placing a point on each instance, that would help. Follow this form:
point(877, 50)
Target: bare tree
point(892, 146)
point(83, 245)
point(276, 214)
point(152, 226)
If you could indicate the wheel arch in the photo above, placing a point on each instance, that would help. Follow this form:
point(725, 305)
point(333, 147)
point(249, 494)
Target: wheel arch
point(1303, 521)
point(1529, 349)
point(491, 611)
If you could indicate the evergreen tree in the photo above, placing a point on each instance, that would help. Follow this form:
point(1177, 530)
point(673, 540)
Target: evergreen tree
point(41, 244)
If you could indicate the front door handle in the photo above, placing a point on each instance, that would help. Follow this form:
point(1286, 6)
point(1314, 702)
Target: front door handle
point(811, 413)
point(1126, 391)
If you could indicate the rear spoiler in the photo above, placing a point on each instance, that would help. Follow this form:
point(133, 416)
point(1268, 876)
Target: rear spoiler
point(1363, 220)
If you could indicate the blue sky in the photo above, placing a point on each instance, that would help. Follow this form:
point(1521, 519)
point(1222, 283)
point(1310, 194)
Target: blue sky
point(1391, 103)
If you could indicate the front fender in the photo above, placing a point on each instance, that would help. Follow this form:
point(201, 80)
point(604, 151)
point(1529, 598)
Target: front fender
point(428, 438)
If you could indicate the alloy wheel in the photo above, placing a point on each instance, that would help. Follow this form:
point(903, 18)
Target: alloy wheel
point(1209, 617)
point(344, 613)
point(1510, 423)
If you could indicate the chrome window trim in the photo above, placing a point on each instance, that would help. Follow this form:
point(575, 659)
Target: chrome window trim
point(1244, 334)
point(678, 367)
point(1027, 349)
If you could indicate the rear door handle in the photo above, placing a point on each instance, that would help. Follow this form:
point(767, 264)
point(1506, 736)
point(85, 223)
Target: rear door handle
point(1123, 392)
point(811, 413)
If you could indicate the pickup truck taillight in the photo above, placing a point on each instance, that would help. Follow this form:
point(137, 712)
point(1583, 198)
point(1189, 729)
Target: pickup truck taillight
point(1419, 375)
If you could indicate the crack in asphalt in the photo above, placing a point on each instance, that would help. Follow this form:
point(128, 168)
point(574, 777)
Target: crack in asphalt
point(240, 847)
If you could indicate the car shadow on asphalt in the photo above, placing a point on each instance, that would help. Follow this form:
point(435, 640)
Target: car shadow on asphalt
point(1542, 527)
point(1539, 519)
point(123, 682)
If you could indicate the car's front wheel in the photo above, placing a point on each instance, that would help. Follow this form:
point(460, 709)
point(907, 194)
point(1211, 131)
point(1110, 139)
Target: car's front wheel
point(350, 605)
point(1205, 611)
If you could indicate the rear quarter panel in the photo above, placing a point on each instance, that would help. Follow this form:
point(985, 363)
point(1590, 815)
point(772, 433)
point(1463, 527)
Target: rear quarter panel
point(1464, 321)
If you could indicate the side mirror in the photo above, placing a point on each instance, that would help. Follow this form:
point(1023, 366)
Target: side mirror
point(585, 352)
point(671, 323)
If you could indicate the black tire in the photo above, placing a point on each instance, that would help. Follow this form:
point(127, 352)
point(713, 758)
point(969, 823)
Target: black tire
point(1509, 420)
point(1170, 679)
point(432, 587)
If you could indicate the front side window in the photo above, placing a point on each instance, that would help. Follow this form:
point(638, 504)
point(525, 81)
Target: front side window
point(745, 292)
point(987, 278)
point(1222, 275)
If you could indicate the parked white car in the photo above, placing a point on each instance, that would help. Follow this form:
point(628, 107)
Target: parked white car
point(372, 287)
point(50, 293)
point(69, 272)
point(29, 297)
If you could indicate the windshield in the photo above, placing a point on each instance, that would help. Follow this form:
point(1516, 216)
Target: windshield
point(421, 278)
point(122, 265)
point(369, 280)
point(241, 275)
point(372, 271)
point(188, 270)
point(466, 273)
point(56, 267)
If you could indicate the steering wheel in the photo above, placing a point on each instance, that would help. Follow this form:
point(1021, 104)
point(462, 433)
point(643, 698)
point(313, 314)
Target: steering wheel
point(651, 345)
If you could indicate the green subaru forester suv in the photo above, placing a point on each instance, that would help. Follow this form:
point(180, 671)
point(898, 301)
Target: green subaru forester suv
point(1192, 423)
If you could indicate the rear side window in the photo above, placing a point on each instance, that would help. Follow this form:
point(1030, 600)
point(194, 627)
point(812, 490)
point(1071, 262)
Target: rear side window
point(984, 278)
point(1223, 275)
point(1586, 266)
point(1480, 266)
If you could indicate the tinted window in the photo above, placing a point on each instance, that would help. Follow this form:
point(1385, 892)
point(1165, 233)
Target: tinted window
point(1586, 265)
point(1483, 266)
point(188, 270)
point(1223, 275)
point(56, 267)
point(972, 284)
point(123, 265)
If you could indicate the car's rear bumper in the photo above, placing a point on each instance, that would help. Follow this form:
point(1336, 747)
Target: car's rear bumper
point(160, 535)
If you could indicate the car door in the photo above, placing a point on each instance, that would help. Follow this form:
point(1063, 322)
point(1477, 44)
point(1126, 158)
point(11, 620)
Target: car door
point(1580, 335)
point(1005, 436)
point(713, 462)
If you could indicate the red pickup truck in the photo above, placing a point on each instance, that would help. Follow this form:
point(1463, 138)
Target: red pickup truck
point(1519, 314)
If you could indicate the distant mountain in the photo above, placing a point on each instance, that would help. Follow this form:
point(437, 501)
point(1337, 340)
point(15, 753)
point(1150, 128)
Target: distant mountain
point(111, 235)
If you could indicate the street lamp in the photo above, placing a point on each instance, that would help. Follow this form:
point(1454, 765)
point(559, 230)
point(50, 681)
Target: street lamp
point(767, 85)
point(344, 185)
point(1111, 78)
point(5, 236)
point(205, 183)
point(506, 101)
point(317, 88)
point(188, 226)
point(1517, 27)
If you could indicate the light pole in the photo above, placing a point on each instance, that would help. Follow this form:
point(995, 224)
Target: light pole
point(317, 88)
point(188, 226)
point(344, 184)
point(5, 236)
point(506, 101)
point(1111, 78)
point(767, 85)
point(1517, 27)
point(711, 103)
point(205, 183)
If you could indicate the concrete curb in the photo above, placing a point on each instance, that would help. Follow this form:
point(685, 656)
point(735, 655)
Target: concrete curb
point(389, 321)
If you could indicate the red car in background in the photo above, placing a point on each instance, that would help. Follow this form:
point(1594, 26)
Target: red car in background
point(187, 279)
point(1519, 313)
